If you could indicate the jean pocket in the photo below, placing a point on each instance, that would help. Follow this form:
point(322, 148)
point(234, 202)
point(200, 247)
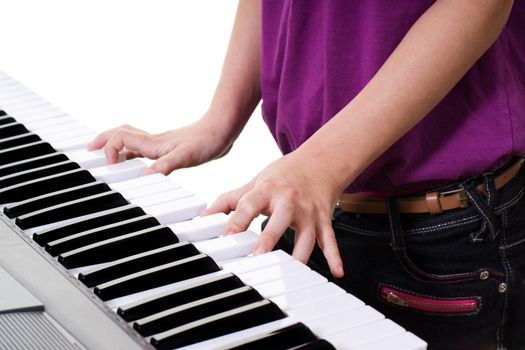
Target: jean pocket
point(445, 253)
point(456, 265)
point(429, 304)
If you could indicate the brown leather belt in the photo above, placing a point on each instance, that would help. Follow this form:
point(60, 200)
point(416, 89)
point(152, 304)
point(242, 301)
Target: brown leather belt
point(431, 202)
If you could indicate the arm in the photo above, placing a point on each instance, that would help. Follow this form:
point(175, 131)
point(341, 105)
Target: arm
point(433, 56)
point(236, 96)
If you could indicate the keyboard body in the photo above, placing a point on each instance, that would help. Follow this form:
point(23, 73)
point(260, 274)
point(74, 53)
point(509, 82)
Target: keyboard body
point(44, 304)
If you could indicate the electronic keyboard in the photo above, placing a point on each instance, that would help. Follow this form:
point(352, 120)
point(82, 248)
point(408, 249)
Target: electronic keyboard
point(98, 256)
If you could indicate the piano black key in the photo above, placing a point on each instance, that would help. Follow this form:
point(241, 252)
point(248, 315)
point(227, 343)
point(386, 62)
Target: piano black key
point(18, 140)
point(6, 120)
point(157, 276)
point(45, 185)
point(228, 322)
point(139, 262)
point(98, 234)
point(103, 218)
point(27, 151)
point(32, 163)
point(119, 247)
point(2, 112)
point(185, 314)
point(32, 174)
point(287, 338)
point(72, 209)
point(319, 344)
point(12, 129)
point(51, 199)
point(193, 292)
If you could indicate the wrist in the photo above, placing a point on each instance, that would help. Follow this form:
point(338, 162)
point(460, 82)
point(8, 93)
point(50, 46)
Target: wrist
point(323, 167)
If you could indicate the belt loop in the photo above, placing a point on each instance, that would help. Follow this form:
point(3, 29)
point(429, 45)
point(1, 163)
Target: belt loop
point(484, 207)
point(394, 220)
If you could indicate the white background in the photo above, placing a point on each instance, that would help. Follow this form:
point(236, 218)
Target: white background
point(151, 64)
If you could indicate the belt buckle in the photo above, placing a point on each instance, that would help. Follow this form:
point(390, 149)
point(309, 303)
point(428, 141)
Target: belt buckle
point(463, 200)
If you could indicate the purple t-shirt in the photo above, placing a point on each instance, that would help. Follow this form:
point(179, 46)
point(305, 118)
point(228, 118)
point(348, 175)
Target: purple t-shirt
point(317, 55)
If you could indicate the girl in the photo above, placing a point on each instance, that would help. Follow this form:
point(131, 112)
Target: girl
point(407, 118)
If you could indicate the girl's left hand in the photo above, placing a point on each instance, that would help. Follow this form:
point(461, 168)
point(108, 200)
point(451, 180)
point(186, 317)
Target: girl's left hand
point(293, 192)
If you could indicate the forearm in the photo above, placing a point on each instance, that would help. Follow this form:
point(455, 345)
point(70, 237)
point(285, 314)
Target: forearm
point(433, 56)
point(238, 91)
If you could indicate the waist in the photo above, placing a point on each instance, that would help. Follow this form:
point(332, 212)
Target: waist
point(434, 201)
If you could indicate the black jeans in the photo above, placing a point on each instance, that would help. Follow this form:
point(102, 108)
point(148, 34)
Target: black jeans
point(455, 279)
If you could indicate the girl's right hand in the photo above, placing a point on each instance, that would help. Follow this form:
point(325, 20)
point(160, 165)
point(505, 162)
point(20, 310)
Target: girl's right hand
point(188, 146)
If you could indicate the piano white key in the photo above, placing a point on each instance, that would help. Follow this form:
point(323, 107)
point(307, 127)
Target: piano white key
point(15, 91)
point(120, 171)
point(271, 258)
point(17, 96)
point(9, 83)
point(27, 97)
point(344, 320)
point(189, 283)
point(42, 228)
point(42, 124)
point(5, 83)
point(15, 101)
point(93, 159)
point(79, 142)
point(12, 85)
point(38, 113)
point(200, 228)
point(325, 307)
point(158, 195)
point(306, 296)
point(138, 182)
point(51, 131)
point(191, 325)
point(271, 273)
point(157, 189)
point(165, 213)
point(90, 268)
point(403, 341)
point(16, 107)
point(69, 134)
point(289, 284)
point(368, 333)
point(228, 247)
point(193, 304)
point(7, 101)
point(180, 210)
point(258, 262)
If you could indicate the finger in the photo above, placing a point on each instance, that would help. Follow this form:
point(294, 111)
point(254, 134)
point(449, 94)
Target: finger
point(248, 208)
point(304, 240)
point(279, 221)
point(226, 202)
point(168, 162)
point(328, 244)
point(134, 140)
point(101, 139)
